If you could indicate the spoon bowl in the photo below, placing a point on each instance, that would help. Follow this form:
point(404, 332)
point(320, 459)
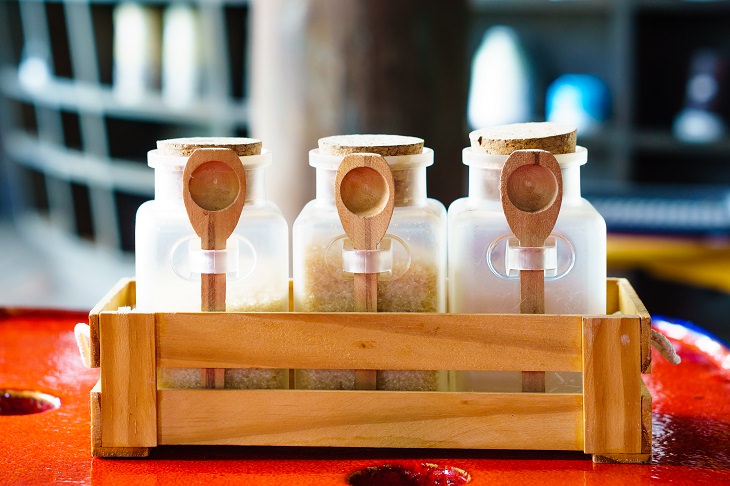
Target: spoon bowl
point(214, 191)
point(531, 188)
point(364, 196)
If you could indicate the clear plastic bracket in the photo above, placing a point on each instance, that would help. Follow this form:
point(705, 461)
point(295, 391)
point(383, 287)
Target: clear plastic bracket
point(213, 261)
point(368, 261)
point(532, 258)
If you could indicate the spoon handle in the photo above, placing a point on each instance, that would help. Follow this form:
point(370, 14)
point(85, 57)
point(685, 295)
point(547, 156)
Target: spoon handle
point(532, 301)
point(532, 291)
point(366, 300)
point(213, 292)
point(366, 292)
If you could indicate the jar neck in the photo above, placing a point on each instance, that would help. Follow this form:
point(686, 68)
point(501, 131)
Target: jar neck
point(484, 182)
point(410, 186)
point(169, 183)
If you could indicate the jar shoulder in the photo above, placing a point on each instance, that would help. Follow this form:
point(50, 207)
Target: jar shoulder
point(316, 211)
point(487, 208)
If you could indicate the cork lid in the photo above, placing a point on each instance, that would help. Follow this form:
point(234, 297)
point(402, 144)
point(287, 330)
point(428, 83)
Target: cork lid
point(186, 146)
point(385, 145)
point(505, 139)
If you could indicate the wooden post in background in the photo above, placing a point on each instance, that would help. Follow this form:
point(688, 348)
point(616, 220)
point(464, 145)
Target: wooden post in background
point(321, 68)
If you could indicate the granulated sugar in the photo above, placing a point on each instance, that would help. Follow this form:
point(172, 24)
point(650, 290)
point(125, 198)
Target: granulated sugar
point(414, 289)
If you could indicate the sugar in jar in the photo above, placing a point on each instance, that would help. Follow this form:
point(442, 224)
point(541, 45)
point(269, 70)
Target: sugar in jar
point(169, 260)
point(412, 277)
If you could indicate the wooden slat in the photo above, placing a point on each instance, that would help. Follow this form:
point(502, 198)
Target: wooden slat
point(128, 380)
point(612, 385)
point(646, 419)
point(612, 302)
point(371, 341)
point(122, 294)
point(95, 405)
point(371, 419)
point(630, 304)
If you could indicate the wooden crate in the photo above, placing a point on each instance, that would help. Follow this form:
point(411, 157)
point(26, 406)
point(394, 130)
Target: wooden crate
point(610, 419)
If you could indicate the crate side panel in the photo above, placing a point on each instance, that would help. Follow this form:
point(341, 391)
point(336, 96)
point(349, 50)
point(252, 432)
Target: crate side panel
point(371, 419)
point(371, 341)
point(630, 304)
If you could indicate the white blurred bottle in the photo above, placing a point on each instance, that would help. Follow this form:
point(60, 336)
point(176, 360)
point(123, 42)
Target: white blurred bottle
point(500, 87)
point(180, 55)
point(136, 51)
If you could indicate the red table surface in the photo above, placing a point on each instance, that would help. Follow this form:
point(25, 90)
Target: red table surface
point(38, 351)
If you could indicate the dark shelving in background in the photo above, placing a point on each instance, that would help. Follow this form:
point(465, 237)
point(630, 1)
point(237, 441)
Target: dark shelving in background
point(74, 156)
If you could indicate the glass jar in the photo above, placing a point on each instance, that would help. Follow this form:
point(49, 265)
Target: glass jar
point(414, 246)
point(482, 277)
point(169, 259)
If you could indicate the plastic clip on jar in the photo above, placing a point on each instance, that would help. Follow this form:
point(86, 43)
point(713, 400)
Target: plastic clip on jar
point(483, 254)
point(411, 260)
point(169, 259)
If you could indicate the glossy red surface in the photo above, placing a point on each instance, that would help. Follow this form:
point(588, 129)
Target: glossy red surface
point(38, 352)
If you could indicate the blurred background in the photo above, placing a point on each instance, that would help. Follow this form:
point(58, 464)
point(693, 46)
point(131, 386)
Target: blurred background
point(88, 86)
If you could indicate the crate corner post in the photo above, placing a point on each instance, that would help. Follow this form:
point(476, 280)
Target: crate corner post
point(124, 402)
point(616, 405)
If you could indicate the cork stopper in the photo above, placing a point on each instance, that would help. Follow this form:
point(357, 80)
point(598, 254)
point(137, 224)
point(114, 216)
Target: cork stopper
point(186, 146)
point(505, 139)
point(385, 145)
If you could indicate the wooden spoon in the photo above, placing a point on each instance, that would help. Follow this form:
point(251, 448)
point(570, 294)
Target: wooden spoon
point(531, 189)
point(214, 191)
point(364, 196)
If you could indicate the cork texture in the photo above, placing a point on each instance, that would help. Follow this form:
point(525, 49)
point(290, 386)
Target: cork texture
point(505, 139)
point(186, 146)
point(385, 145)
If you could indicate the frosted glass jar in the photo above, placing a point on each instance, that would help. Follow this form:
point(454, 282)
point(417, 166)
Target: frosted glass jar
point(169, 260)
point(480, 280)
point(417, 239)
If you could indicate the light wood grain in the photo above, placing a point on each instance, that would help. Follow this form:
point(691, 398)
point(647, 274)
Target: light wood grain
point(96, 420)
point(612, 385)
point(371, 419)
point(128, 380)
point(365, 197)
point(381, 144)
point(97, 450)
point(122, 294)
point(531, 191)
point(505, 139)
point(214, 212)
point(646, 419)
point(630, 304)
point(213, 226)
point(646, 437)
point(399, 341)
point(612, 420)
point(186, 146)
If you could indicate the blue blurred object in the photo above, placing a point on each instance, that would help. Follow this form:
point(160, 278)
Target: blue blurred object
point(581, 100)
point(700, 121)
point(675, 328)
